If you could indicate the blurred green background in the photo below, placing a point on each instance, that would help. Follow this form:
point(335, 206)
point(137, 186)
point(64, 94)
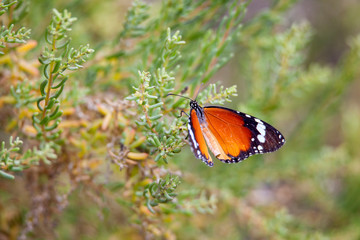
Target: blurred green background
point(309, 189)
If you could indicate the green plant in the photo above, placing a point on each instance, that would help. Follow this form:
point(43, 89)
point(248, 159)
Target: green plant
point(12, 160)
point(7, 33)
point(160, 192)
point(6, 160)
point(56, 59)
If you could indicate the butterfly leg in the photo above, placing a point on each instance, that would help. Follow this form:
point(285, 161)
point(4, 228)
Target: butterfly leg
point(181, 113)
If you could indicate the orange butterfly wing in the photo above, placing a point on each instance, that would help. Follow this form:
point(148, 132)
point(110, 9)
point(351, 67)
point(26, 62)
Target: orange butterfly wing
point(229, 130)
point(240, 135)
point(197, 141)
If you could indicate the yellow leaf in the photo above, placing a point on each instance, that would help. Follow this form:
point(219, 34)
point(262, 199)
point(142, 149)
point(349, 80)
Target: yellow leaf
point(137, 156)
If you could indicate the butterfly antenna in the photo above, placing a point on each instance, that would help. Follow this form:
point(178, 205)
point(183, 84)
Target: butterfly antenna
point(173, 94)
point(198, 91)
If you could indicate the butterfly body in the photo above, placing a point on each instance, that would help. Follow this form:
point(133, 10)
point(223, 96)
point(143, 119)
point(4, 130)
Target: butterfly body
point(230, 135)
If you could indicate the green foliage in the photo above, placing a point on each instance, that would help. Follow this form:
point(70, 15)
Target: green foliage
point(7, 34)
point(150, 100)
point(23, 95)
point(160, 192)
point(56, 58)
point(103, 146)
point(211, 94)
point(135, 16)
point(6, 160)
point(4, 6)
point(12, 160)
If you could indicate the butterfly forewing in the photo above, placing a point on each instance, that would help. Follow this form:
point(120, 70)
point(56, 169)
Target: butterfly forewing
point(197, 141)
point(241, 135)
point(229, 130)
point(265, 138)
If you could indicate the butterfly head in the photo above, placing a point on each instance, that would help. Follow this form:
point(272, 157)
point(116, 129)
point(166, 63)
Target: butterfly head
point(194, 104)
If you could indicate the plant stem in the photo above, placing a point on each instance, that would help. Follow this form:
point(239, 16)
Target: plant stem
point(51, 76)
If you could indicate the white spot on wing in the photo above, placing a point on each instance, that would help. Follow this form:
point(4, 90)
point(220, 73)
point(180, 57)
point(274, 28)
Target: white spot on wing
point(261, 128)
point(261, 138)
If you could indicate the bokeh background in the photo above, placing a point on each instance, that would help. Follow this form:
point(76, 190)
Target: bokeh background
point(309, 189)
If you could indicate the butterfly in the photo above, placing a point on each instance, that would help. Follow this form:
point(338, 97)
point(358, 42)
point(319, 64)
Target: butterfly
point(231, 136)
